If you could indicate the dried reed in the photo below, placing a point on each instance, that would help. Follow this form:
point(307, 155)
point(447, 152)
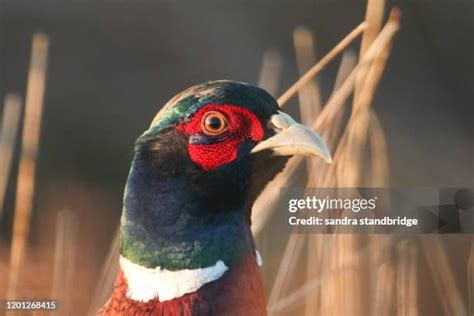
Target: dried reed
point(315, 170)
point(382, 284)
point(379, 173)
point(346, 288)
point(342, 289)
point(8, 135)
point(346, 297)
point(283, 99)
point(373, 17)
point(287, 267)
point(407, 282)
point(331, 131)
point(279, 283)
point(347, 173)
point(270, 72)
point(29, 149)
point(318, 283)
point(309, 95)
point(67, 229)
point(337, 99)
point(107, 276)
point(383, 298)
point(309, 107)
point(443, 275)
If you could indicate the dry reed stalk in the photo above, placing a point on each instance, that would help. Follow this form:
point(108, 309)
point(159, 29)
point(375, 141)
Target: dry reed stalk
point(29, 149)
point(337, 100)
point(348, 282)
point(348, 62)
point(329, 302)
point(292, 251)
point(318, 283)
point(470, 276)
point(107, 276)
point(380, 254)
point(360, 115)
point(329, 112)
point(67, 229)
point(341, 280)
point(383, 298)
point(294, 297)
point(372, 79)
point(443, 275)
point(330, 131)
point(270, 72)
point(309, 95)
point(333, 265)
point(350, 173)
point(366, 82)
point(407, 282)
point(283, 99)
point(8, 136)
point(316, 170)
point(379, 177)
point(373, 17)
point(380, 168)
point(347, 287)
point(315, 246)
point(359, 121)
point(295, 240)
point(309, 106)
point(311, 286)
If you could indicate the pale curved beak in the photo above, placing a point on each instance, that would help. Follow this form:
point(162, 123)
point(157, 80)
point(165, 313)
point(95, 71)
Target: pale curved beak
point(293, 138)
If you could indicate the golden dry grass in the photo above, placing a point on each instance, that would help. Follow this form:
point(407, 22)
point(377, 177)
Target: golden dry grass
point(27, 169)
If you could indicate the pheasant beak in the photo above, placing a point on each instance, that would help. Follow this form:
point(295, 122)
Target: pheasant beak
point(293, 138)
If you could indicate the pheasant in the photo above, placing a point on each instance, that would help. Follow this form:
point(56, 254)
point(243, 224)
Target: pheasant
point(186, 247)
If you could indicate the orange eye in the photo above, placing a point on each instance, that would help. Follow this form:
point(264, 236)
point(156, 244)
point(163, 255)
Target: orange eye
point(214, 123)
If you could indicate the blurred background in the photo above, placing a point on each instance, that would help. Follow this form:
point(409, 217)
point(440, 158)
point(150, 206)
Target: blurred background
point(112, 64)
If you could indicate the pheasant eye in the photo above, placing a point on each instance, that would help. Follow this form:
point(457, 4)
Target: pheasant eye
point(214, 123)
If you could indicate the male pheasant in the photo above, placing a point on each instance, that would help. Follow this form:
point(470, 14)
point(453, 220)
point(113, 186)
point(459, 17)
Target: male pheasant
point(185, 240)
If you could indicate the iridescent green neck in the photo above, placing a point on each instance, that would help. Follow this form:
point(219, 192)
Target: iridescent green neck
point(167, 222)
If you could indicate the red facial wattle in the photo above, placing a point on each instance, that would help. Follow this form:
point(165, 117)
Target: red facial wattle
point(213, 151)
